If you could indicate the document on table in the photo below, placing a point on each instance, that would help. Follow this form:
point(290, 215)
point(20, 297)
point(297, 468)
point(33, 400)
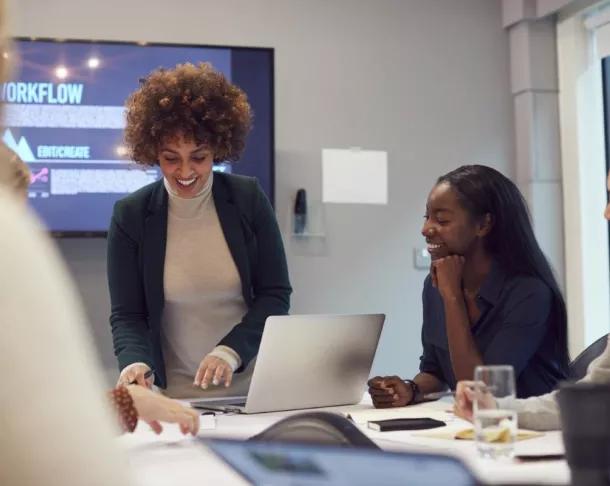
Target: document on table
point(435, 410)
point(467, 433)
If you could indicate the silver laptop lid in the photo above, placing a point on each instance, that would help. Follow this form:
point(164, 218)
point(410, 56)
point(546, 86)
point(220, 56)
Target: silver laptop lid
point(313, 361)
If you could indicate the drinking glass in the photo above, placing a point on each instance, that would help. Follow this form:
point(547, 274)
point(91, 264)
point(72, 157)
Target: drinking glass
point(495, 419)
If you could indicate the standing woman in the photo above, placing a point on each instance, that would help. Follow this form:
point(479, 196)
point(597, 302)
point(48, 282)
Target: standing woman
point(490, 298)
point(195, 261)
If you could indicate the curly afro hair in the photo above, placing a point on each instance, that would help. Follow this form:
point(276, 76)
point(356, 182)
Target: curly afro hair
point(196, 102)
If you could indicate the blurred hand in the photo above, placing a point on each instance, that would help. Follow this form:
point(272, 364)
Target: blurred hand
point(389, 391)
point(135, 372)
point(465, 394)
point(215, 371)
point(447, 275)
point(154, 408)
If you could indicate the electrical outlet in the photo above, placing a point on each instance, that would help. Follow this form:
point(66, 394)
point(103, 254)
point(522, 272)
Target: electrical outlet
point(421, 259)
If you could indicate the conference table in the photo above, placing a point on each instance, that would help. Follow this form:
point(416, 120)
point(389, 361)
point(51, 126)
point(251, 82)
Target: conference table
point(174, 459)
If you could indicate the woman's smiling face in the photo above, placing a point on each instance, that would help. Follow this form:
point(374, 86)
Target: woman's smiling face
point(185, 164)
point(448, 228)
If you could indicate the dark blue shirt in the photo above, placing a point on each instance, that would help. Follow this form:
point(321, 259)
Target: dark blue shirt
point(514, 328)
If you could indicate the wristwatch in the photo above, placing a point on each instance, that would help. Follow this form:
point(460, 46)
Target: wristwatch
point(414, 390)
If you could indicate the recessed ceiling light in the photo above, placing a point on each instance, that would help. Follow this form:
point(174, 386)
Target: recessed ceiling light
point(121, 150)
point(61, 72)
point(93, 62)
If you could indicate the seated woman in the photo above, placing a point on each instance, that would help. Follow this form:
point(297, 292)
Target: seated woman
point(195, 261)
point(538, 413)
point(55, 424)
point(55, 419)
point(490, 298)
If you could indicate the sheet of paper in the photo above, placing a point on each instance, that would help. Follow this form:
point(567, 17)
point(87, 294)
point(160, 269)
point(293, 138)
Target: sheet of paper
point(354, 176)
point(438, 411)
point(460, 433)
point(550, 443)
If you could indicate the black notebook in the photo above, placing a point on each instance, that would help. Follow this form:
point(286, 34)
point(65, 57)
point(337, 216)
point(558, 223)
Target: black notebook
point(405, 424)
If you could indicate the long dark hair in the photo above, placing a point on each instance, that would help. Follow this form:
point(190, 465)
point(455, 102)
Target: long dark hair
point(482, 190)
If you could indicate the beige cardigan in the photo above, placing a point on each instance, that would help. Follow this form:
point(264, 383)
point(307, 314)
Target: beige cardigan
point(542, 413)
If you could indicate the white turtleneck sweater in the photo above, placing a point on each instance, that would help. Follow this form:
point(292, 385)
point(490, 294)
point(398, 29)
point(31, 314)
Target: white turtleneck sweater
point(203, 296)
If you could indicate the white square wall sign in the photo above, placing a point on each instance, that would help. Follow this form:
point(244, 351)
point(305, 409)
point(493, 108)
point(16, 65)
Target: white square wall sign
point(354, 176)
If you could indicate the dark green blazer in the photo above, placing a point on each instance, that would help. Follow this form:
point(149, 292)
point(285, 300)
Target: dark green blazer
point(136, 259)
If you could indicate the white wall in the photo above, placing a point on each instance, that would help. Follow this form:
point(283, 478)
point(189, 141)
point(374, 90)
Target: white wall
point(584, 171)
point(426, 80)
point(560, 153)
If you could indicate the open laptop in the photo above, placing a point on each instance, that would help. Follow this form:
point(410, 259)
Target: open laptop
point(268, 463)
point(308, 361)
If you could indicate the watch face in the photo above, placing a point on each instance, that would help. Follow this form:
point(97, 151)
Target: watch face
point(414, 390)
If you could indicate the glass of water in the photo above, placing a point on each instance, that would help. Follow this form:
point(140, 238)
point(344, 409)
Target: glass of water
point(495, 420)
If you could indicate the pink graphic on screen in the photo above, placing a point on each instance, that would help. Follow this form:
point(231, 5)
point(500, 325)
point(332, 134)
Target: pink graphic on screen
point(41, 176)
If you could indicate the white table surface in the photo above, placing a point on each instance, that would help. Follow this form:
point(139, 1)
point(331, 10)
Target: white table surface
point(173, 459)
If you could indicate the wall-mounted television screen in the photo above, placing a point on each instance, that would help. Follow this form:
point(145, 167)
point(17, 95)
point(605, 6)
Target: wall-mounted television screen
point(64, 117)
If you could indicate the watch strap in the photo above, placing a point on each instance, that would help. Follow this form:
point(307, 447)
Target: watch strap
point(414, 390)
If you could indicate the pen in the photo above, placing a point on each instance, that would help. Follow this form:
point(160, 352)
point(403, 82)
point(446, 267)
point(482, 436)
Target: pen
point(450, 393)
point(437, 395)
point(216, 409)
point(147, 375)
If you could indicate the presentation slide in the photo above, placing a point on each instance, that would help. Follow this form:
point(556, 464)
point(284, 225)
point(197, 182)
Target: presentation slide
point(64, 116)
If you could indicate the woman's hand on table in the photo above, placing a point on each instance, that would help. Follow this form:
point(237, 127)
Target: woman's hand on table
point(213, 371)
point(155, 408)
point(389, 391)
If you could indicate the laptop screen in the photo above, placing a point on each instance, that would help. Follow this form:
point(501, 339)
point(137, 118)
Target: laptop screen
point(276, 464)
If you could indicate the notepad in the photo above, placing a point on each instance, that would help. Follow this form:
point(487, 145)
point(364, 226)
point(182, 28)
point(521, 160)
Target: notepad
point(434, 411)
point(405, 424)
